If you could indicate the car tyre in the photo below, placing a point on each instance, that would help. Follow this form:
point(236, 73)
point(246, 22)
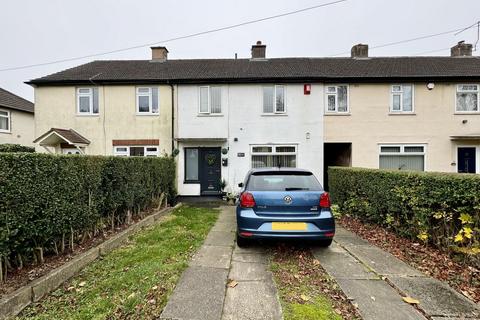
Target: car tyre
point(242, 242)
point(325, 243)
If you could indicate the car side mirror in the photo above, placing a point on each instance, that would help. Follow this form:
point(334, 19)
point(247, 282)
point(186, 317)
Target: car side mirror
point(240, 185)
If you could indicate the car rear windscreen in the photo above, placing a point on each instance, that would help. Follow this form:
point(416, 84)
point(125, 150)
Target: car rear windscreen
point(283, 181)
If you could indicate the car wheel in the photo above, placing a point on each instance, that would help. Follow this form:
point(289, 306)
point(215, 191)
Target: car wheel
point(325, 243)
point(242, 242)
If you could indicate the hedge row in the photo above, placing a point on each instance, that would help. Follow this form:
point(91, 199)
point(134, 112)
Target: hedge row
point(7, 147)
point(48, 202)
point(439, 208)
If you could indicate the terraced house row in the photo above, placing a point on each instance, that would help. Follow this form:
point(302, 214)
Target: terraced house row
point(225, 116)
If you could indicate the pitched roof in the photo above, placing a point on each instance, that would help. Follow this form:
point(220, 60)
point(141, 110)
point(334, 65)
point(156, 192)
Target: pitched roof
point(69, 135)
point(12, 101)
point(286, 69)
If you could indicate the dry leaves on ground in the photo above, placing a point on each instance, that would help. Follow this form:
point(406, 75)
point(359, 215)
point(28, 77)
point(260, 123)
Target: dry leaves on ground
point(431, 261)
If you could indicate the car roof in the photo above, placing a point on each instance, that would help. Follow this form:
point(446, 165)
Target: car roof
point(276, 169)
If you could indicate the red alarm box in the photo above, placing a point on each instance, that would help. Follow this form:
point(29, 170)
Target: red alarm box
point(307, 88)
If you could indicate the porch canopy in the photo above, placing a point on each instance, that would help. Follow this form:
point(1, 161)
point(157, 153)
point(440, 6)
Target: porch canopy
point(56, 136)
point(472, 137)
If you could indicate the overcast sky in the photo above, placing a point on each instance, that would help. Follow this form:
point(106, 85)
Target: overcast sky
point(38, 31)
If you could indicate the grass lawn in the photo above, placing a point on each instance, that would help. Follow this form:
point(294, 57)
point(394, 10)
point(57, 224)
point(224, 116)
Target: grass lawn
point(306, 292)
point(134, 281)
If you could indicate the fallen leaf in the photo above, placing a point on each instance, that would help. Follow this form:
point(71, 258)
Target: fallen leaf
point(410, 300)
point(154, 288)
point(131, 295)
point(304, 297)
point(70, 288)
point(296, 276)
point(373, 298)
point(232, 283)
point(316, 262)
point(82, 284)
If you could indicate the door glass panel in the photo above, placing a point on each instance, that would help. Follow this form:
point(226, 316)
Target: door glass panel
point(191, 159)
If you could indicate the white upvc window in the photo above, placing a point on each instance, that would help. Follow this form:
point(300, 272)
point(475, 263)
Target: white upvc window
point(5, 121)
point(402, 157)
point(467, 98)
point(401, 98)
point(274, 156)
point(147, 100)
point(337, 99)
point(87, 101)
point(136, 151)
point(274, 99)
point(210, 100)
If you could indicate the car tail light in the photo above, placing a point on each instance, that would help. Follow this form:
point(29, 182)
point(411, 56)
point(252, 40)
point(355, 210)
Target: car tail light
point(325, 200)
point(247, 200)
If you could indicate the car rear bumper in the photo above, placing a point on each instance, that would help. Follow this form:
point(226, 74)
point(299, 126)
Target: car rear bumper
point(318, 226)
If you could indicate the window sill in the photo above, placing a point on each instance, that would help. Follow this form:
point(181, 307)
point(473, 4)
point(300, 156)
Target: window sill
point(466, 113)
point(338, 114)
point(6, 132)
point(274, 115)
point(87, 115)
point(191, 182)
point(402, 114)
point(148, 114)
point(210, 115)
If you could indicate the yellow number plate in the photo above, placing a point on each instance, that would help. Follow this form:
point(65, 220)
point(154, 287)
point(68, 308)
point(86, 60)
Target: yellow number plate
point(289, 226)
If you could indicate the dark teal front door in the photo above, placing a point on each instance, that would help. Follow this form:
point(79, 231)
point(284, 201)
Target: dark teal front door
point(210, 171)
point(466, 159)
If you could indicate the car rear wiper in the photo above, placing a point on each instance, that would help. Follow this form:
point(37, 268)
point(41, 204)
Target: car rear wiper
point(296, 189)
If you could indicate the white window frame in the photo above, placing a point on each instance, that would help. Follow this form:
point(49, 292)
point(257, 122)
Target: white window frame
point(457, 90)
point(400, 93)
point(209, 105)
point(9, 121)
point(90, 102)
point(124, 151)
point(148, 94)
point(275, 110)
point(402, 151)
point(327, 94)
point(274, 151)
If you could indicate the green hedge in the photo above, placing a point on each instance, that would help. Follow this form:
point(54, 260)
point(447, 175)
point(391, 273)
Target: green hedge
point(7, 147)
point(50, 201)
point(440, 208)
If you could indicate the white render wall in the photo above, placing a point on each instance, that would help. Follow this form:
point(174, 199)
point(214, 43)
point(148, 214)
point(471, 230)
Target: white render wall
point(242, 118)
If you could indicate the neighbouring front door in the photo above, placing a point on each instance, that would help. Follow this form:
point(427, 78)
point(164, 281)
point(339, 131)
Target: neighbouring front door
point(467, 160)
point(210, 171)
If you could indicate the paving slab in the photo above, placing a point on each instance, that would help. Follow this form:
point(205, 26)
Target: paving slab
point(248, 271)
point(220, 238)
point(382, 262)
point(199, 294)
point(250, 257)
point(340, 264)
point(436, 298)
point(377, 300)
point(252, 300)
point(212, 256)
point(224, 226)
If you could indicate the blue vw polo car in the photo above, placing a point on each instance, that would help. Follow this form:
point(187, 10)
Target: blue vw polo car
point(283, 203)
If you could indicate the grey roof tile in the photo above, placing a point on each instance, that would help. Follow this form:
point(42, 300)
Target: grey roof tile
point(12, 101)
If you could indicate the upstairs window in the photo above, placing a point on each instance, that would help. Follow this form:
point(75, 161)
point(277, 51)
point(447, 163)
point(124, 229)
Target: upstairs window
point(401, 98)
point(4, 121)
point(274, 156)
point(467, 98)
point(337, 99)
point(87, 101)
point(402, 157)
point(147, 100)
point(274, 99)
point(210, 100)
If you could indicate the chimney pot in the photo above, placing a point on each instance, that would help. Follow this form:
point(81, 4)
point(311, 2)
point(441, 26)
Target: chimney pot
point(359, 51)
point(258, 50)
point(159, 54)
point(461, 49)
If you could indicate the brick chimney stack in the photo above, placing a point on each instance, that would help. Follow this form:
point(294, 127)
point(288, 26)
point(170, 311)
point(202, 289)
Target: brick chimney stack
point(461, 49)
point(159, 54)
point(258, 50)
point(359, 51)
